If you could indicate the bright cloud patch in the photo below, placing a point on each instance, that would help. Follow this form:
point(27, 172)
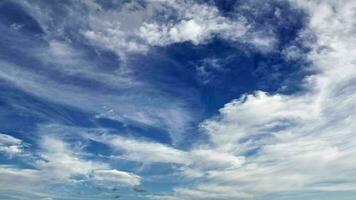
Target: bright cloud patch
point(57, 163)
point(197, 23)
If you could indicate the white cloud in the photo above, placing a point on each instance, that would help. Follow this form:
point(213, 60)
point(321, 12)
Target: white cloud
point(141, 151)
point(194, 22)
point(112, 37)
point(197, 23)
point(211, 192)
point(57, 162)
point(203, 162)
point(151, 23)
point(191, 164)
point(60, 162)
point(165, 197)
point(10, 174)
point(300, 142)
point(17, 183)
point(110, 29)
point(172, 114)
point(10, 145)
point(115, 176)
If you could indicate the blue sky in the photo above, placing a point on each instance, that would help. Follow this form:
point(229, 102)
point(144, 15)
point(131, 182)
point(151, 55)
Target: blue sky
point(177, 100)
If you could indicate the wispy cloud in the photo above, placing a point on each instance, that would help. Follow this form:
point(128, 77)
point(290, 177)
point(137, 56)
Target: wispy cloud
point(141, 151)
point(257, 144)
point(10, 145)
point(56, 162)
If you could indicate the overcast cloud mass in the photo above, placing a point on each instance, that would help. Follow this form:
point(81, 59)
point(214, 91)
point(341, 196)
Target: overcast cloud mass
point(178, 99)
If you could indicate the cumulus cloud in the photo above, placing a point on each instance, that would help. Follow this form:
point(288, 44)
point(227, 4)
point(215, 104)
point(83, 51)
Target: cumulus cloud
point(197, 23)
point(293, 142)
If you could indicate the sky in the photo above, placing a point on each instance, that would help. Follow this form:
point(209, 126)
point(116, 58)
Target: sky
point(178, 99)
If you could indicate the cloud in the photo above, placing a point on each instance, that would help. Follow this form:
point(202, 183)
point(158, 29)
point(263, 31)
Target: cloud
point(70, 71)
point(109, 29)
point(76, 67)
point(298, 142)
point(183, 21)
point(115, 176)
point(211, 192)
point(198, 23)
point(10, 145)
point(152, 23)
point(118, 95)
point(59, 163)
point(194, 163)
point(62, 163)
point(258, 144)
point(141, 151)
point(12, 177)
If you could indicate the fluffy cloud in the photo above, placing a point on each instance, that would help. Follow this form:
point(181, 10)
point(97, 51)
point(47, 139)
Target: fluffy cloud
point(293, 142)
point(197, 23)
point(185, 21)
